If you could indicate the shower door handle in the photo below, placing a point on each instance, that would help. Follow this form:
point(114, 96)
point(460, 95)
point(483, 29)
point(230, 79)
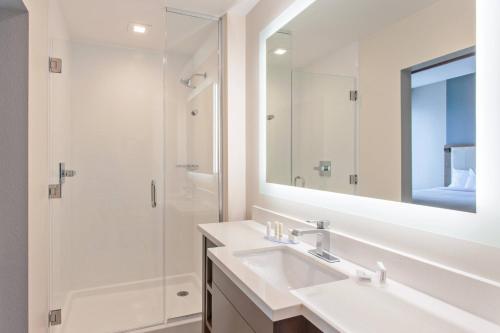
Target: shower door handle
point(153, 194)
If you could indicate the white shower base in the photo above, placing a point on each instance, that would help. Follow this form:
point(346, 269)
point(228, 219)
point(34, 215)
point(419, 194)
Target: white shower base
point(120, 308)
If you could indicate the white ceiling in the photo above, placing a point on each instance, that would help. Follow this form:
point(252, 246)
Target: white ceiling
point(328, 25)
point(211, 7)
point(107, 21)
point(445, 72)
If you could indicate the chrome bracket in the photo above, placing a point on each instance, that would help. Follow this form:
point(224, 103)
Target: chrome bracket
point(55, 65)
point(324, 169)
point(55, 190)
point(327, 256)
point(302, 181)
point(353, 95)
point(55, 317)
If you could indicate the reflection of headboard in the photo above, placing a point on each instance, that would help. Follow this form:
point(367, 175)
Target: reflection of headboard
point(458, 157)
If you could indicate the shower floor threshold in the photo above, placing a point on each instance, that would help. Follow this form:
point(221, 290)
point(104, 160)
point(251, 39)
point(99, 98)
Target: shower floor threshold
point(132, 307)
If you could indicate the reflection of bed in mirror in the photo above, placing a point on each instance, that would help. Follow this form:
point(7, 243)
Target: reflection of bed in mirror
point(459, 190)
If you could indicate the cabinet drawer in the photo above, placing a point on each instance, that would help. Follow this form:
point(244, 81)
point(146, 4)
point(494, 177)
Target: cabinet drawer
point(225, 318)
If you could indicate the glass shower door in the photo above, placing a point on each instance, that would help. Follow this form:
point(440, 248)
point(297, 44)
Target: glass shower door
point(107, 239)
point(324, 130)
point(192, 159)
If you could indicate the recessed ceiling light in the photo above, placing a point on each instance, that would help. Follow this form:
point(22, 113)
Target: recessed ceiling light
point(280, 51)
point(139, 28)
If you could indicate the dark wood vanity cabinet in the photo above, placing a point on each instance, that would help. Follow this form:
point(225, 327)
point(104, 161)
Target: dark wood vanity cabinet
point(225, 318)
point(228, 310)
point(207, 278)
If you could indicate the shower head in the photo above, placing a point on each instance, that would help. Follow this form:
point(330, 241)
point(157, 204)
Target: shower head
point(189, 81)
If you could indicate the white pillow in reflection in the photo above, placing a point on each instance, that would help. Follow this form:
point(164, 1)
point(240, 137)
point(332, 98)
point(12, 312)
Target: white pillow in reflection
point(471, 181)
point(458, 178)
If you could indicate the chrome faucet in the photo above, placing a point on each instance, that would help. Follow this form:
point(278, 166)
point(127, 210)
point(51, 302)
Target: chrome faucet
point(322, 249)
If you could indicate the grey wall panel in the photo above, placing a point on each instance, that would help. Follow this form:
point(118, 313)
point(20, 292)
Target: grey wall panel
point(13, 171)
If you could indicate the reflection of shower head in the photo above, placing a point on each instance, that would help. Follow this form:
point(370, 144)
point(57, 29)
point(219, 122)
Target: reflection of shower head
point(189, 81)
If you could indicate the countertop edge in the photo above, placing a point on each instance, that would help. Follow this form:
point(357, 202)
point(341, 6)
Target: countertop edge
point(310, 312)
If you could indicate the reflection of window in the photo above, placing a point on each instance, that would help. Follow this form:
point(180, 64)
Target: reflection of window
point(443, 135)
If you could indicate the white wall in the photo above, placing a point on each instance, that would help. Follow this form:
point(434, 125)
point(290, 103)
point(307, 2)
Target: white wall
point(344, 62)
point(177, 210)
point(236, 113)
point(428, 118)
point(38, 222)
point(200, 133)
point(418, 231)
point(13, 170)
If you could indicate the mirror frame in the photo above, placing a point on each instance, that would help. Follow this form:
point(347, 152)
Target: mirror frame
point(435, 220)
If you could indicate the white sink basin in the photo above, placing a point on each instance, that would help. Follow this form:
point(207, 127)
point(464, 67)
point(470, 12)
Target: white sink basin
point(286, 269)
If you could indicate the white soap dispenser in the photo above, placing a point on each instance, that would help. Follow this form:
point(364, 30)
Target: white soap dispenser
point(276, 229)
point(268, 229)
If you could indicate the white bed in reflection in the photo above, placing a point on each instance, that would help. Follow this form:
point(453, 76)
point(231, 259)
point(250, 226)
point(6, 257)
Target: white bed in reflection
point(445, 197)
point(460, 180)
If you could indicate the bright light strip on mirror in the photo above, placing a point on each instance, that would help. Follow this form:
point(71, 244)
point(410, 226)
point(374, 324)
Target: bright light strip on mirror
point(280, 51)
point(452, 223)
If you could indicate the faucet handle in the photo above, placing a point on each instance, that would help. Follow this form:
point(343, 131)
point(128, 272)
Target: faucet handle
point(320, 224)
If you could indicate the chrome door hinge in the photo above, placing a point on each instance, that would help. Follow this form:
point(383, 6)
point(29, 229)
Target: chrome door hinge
point(55, 317)
point(353, 179)
point(55, 65)
point(55, 190)
point(353, 95)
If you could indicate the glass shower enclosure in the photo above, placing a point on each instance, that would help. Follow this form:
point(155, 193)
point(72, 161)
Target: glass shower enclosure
point(311, 122)
point(134, 137)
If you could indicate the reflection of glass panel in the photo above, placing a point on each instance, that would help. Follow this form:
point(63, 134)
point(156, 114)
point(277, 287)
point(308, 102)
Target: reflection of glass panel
point(324, 129)
point(279, 108)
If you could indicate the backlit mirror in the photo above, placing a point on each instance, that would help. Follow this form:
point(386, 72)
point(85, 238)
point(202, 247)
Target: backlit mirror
point(377, 99)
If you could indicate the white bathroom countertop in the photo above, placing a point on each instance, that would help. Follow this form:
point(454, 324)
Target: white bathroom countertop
point(347, 305)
